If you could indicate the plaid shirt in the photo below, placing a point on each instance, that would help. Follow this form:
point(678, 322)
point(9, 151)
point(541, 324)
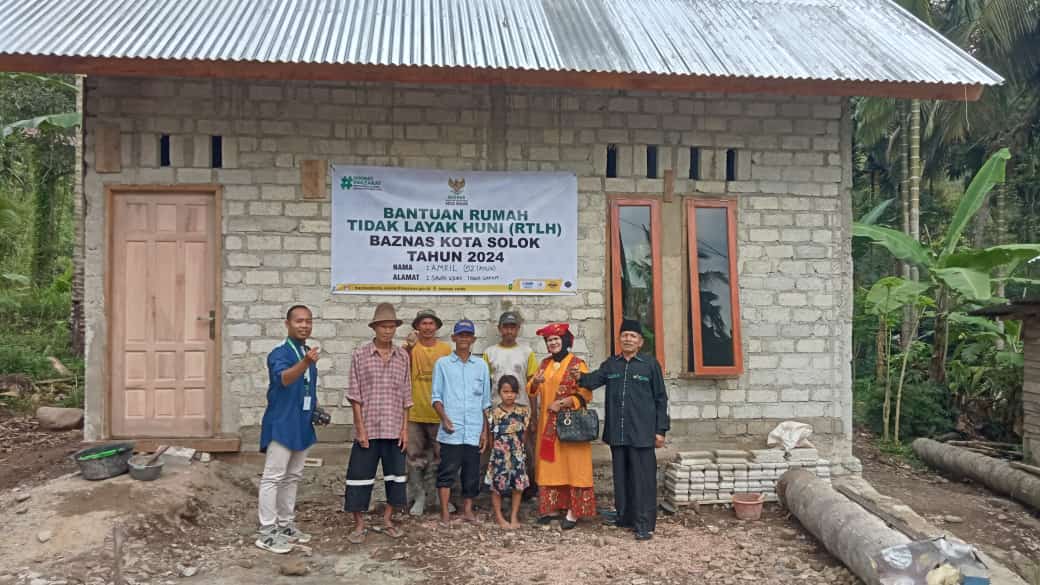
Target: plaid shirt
point(382, 388)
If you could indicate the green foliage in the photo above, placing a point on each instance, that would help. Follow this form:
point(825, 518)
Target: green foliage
point(892, 293)
point(926, 411)
point(36, 328)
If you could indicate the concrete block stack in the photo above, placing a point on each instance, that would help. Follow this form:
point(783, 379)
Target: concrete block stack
point(712, 477)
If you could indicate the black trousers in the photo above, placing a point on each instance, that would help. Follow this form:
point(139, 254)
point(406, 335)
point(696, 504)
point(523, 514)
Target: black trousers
point(635, 487)
point(460, 457)
point(361, 474)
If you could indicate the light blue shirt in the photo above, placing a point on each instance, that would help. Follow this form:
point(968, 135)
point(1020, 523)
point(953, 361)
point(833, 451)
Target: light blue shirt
point(464, 388)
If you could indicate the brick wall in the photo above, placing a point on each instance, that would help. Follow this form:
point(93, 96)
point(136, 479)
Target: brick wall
point(792, 186)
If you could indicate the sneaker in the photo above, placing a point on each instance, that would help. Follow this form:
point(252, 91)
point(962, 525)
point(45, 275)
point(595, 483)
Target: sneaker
point(292, 534)
point(272, 540)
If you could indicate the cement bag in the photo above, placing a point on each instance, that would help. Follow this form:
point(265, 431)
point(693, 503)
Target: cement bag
point(790, 434)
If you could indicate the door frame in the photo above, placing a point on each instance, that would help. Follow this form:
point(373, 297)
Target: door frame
point(217, 191)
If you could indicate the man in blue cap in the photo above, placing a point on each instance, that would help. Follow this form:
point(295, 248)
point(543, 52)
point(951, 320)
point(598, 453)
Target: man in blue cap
point(462, 398)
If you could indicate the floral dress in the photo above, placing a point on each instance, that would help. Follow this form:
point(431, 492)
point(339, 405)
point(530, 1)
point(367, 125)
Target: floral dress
point(507, 469)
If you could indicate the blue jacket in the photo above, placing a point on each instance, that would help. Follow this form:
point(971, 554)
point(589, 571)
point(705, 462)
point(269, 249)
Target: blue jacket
point(285, 419)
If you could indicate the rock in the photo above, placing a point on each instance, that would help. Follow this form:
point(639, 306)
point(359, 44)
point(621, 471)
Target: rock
point(293, 568)
point(52, 418)
point(950, 518)
point(246, 563)
point(343, 566)
point(189, 571)
point(21, 497)
point(44, 535)
point(22, 510)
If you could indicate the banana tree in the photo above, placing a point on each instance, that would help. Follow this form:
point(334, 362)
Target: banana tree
point(955, 274)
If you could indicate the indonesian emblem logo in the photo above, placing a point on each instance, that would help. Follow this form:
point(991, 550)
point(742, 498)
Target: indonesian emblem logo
point(457, 185)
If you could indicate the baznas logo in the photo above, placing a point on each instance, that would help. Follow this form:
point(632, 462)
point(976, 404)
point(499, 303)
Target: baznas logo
point(457, 185)
point(361, 183)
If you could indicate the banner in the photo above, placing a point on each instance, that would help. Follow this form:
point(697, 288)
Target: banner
point(416, 231)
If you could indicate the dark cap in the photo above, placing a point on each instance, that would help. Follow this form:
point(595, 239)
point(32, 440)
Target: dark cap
point(631, 325)
point(510, 318)
point(424, 314)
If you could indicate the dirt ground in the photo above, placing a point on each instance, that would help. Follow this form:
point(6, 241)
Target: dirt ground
point(29, 455)
point(967, 510)
point(196, 525)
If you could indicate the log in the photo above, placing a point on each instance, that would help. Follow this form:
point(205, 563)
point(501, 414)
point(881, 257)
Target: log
point(848, 531)
point(986, 444)
point(996, 474)
point(1027, 468)
point(1002, 565)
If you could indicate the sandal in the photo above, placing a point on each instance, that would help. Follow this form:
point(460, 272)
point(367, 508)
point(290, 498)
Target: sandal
point(393, 532)
point(357, 537)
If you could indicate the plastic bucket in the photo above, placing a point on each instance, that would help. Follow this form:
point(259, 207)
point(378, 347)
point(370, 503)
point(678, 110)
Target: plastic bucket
point(748, 506)
point(139, 468)
point(104, 461)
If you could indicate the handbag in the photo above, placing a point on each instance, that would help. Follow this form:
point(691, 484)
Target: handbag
point(577, 426)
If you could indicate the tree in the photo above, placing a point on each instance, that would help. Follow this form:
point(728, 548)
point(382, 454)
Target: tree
point(965, 274)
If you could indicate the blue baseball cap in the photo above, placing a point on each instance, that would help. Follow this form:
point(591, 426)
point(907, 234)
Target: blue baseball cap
point(464, 326)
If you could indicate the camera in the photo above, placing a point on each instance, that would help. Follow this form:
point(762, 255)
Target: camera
point(320, 417)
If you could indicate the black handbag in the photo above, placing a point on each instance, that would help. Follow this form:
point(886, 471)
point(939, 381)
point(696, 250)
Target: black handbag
point(577, 426)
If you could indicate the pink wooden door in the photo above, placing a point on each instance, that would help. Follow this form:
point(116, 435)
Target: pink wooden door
point(163, 293)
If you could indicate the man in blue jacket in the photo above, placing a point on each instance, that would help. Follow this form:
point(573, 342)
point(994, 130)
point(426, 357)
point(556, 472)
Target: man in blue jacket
point(287, 431)
point(636, 422)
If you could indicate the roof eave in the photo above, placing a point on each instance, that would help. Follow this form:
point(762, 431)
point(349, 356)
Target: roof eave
point(463, 75)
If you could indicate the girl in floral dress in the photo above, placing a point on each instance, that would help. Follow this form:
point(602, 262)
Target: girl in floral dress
point(507, 469)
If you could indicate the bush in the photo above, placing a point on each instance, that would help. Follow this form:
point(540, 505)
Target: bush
point(925, 410)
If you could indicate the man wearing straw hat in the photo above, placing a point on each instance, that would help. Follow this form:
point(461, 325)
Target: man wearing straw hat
point(380, 394)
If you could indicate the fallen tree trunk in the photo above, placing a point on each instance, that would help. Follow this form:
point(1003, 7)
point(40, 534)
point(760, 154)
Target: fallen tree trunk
point(849, 532)
point(993, 473)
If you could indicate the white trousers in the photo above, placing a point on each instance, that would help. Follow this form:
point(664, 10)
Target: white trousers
point(283, 470)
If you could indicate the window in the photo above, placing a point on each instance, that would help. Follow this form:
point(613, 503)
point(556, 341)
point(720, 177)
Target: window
point(635, 270)
point(651, 161)
point(164, 150)
point(695, 163)
point(611, 161)
point(714, 313)
point(216, 151)
point(731, 165)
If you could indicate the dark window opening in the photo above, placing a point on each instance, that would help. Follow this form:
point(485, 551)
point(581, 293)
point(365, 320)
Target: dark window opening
point(695, 163)
point(164, 150)
point(611, 161)
point(217, 152)
point(731, 165)
point(651, 161)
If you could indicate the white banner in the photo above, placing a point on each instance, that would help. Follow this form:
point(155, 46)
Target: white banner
point(417, 231)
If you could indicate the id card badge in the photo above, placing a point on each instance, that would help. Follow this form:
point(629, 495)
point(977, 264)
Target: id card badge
point(307, 402)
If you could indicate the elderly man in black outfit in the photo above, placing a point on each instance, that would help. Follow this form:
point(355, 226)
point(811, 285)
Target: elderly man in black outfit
point(636, 422)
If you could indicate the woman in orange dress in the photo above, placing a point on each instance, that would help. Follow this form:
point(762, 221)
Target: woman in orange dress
point(563, 470)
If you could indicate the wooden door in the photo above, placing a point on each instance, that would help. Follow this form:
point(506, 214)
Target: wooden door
point(162, 314)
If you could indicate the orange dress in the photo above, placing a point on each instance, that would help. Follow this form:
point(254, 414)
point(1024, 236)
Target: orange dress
point(563, 470)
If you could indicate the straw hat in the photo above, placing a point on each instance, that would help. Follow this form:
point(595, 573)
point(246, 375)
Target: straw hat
point(384, 312)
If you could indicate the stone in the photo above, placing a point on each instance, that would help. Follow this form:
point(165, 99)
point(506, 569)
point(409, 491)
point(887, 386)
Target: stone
point(951, 519)
point(21, 497)
point(189, 571)
point(293, 568)
point(44, 535)
point(21, 510)
point(52, 418)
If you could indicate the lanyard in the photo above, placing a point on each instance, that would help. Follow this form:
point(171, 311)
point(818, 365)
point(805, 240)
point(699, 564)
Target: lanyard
point(299, 358)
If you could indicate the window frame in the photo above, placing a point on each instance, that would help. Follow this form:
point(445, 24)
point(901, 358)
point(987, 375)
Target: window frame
point(616, 202)
point(698, 367)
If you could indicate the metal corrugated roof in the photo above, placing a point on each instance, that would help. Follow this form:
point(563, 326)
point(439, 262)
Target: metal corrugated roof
point(839, 40)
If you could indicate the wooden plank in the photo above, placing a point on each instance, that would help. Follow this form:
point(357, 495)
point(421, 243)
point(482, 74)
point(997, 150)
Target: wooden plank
point(456, 75)
point(314, 173)
point(108, 145)
point(226, 444)
point(669, 185)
